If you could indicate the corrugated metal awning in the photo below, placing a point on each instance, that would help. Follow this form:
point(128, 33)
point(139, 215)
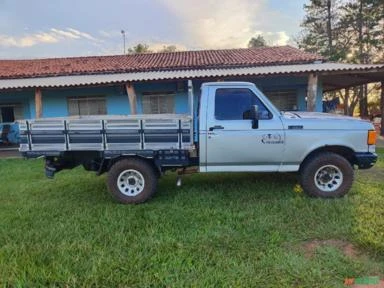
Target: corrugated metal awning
point(97, 79)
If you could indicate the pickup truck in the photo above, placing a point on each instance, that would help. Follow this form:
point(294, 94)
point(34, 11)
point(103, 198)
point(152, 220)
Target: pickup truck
point(235, 128)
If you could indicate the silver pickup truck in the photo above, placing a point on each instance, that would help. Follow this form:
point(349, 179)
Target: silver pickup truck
point(234, 129)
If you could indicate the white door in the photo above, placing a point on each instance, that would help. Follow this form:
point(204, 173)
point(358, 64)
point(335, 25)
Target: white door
point(232, 143)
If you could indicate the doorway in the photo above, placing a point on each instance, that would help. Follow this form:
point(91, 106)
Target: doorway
point(7, 114)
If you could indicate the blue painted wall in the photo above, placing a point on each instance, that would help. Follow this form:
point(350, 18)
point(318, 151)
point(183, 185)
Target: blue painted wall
point(55, 103)
point(55, 100)
point(181, 94)
point(18, 97)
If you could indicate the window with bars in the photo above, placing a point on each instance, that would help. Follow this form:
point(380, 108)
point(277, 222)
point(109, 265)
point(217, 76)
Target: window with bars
point(285, 100)
point(88, 105)
point(158, 103)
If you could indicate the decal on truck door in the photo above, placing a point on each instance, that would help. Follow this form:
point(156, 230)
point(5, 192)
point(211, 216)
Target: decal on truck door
point(272, 139)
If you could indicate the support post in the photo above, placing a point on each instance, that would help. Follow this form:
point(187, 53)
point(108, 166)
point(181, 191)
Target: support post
point(312, 92)
point(191, 109)
point(38, 103)
point(131, 97)
point(190, 97)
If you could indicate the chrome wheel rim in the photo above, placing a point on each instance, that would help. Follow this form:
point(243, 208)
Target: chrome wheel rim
point(328, 178)
point(131, 182)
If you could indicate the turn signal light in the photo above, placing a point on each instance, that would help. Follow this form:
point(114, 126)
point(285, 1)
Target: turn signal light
point(371, 140)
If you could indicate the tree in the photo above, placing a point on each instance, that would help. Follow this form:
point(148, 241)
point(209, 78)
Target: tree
point(350, 99)
point(257, 41)
point(361, 18)
point(349, 31)
point(139, 48)
point(321, 32)
point(144, 48)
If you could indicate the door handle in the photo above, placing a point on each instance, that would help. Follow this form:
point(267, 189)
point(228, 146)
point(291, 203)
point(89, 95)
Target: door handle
point(215, 127)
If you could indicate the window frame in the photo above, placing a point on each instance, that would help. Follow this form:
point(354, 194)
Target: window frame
point(77, 99)
point(280, 93)
point(158, 94)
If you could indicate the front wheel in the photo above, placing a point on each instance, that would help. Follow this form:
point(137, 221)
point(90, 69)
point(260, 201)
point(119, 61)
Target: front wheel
point(326, 175)
point(132, 181)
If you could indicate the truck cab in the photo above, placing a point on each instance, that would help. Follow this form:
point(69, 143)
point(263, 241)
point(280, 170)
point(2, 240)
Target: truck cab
point(241, 130)
point(232, 137)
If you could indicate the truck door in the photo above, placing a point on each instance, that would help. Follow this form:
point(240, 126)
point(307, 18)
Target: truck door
point(232, 143)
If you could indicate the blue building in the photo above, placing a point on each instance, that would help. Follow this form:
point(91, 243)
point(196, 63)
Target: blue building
point(157, 82)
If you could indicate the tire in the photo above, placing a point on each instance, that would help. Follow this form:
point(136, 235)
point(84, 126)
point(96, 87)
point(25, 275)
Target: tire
point(326, 175)
point(132, 181)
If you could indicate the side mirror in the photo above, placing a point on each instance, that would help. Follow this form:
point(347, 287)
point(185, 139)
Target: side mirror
point(255, 116)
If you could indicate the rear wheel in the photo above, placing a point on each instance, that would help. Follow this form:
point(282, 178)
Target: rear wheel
point(326, 175)
point(132, 181)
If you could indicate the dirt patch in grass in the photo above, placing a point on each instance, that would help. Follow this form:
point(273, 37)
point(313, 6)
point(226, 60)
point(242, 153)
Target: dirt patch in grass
point(378, 285)
point(347, 248)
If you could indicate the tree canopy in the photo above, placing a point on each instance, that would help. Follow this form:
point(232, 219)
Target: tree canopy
point(350, 31)
point(139, 48)
point(257, 41)
point(344, 30)
point(145, 48)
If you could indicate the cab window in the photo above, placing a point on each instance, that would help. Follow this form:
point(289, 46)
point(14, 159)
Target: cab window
point(236, 104)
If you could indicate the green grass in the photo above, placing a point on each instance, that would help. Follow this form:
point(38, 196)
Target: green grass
point(218, 230)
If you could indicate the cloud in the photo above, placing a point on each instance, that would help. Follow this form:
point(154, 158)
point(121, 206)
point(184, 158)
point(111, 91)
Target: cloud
point(27, 40)
point(276, 38)
point(81, 34)
point(225, 23)
point(216, 23)
point(52, 36)
point(64, 34)
point(45, 38)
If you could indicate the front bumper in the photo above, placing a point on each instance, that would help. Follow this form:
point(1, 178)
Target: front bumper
point(365, 160)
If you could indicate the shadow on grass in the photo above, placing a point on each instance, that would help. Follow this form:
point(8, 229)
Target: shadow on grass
point(229, 186)
point(79, 185)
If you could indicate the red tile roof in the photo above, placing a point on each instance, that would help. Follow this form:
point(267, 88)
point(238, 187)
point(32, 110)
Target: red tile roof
point(185, 60)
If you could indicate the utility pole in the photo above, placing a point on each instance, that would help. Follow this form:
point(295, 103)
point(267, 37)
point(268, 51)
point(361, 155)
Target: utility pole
point(123, 34)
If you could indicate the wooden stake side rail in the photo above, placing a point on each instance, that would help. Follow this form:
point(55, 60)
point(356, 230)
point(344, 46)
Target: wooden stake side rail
point(106, 134)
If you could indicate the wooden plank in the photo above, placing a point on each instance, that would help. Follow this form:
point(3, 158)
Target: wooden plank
point(38, 103)
point(131, 97)
point(312, 92)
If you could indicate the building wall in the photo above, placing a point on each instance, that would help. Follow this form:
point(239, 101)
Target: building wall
point(181, 95)
point(18, 98)
point(55, 100)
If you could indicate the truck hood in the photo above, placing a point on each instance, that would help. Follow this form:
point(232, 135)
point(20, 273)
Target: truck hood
point(316, 120)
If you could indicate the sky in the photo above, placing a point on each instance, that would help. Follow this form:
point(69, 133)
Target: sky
point(64, 28)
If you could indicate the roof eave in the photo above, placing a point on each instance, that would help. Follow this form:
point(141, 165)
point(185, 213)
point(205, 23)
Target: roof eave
point(111, 78)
